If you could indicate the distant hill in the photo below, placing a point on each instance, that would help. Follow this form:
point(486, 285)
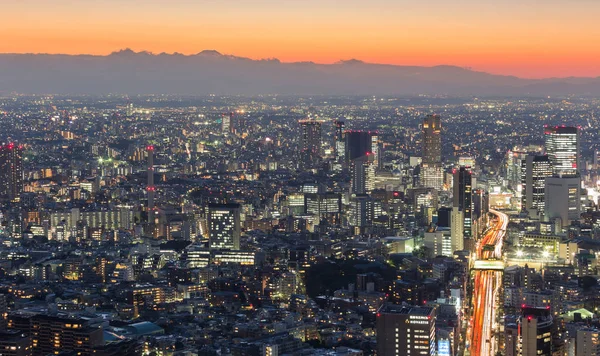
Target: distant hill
point(210, 72)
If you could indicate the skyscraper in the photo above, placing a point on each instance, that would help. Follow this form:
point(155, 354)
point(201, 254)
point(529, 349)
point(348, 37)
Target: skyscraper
point(562, 148)
point(227, 123)
point(406, 330)
point(310, 144)
point(463, 198)
point(340, 142)
point(224, 226)
point(150, 188)
point(536, 327)
point(563, 199)
point(359, 143)
point(11, 171)
point(363, 173)
point(534, 173)
point(432, 175)
point(432, 139)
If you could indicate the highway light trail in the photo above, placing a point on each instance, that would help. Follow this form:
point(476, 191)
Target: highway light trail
point(486, 286)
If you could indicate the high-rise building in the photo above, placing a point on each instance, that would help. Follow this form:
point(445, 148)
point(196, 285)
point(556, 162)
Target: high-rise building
point(535, 171)
point(432, 139)
point(536, 331)
point(326, 205)
point(406, 330)
point(340, 142)
point(463, 198)
point(150, 188)
point(224, 226)
point(588, 342)
point(227, 123)
point(359, 143)
point(563, 199)
point(310, 144)
point(363, 174)
point(457, 223)
point(11, 171)
point(362, 211)
point(562, 148)
point(432, 175)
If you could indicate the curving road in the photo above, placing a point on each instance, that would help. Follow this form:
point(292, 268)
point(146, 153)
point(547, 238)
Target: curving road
point(486, 285)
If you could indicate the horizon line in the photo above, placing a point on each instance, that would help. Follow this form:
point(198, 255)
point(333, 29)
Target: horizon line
point(340, 61)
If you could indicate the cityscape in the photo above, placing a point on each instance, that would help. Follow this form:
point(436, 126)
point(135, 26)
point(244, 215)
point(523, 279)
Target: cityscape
point(299, 178)
point(168, 225)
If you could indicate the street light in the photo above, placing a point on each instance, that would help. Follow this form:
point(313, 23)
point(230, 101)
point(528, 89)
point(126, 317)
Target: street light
point(519, 253)
point(545, 254)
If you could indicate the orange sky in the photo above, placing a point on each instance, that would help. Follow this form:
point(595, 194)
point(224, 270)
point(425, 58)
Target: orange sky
point(527, 38)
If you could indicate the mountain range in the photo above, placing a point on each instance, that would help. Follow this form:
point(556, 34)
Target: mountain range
point(210, 72)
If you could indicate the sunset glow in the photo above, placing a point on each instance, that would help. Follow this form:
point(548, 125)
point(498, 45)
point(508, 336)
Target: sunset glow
point(523, 38)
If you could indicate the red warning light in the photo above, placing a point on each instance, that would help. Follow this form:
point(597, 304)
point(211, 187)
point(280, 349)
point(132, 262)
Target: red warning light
point(149, 148)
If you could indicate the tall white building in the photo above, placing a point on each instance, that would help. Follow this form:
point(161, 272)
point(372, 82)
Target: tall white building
point(562, 148)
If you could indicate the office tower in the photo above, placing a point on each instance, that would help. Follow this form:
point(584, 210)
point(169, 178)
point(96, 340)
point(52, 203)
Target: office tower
point(340, 142)
point(325, 206)
point(129, 109)
point(444, 217)
point(11, 171)
point(588, 342)
point(150, 188)
point(406, 330)
point(363, 174)
point(480, 204)
point(514, 167)
point(376, 150)
point(432, 175)
point(115, 124)
point(536, 331)
point(227, 125)
point(463, 198)
point(457, 222)
point(362, 211)
point(563, 199)
point(359, 143)
point(224, 226)
point(310, 144)
point(534, 173)
point(440, 242)
point(562, 148)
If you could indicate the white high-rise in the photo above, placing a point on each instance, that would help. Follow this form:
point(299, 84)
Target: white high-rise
point(562, 148)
